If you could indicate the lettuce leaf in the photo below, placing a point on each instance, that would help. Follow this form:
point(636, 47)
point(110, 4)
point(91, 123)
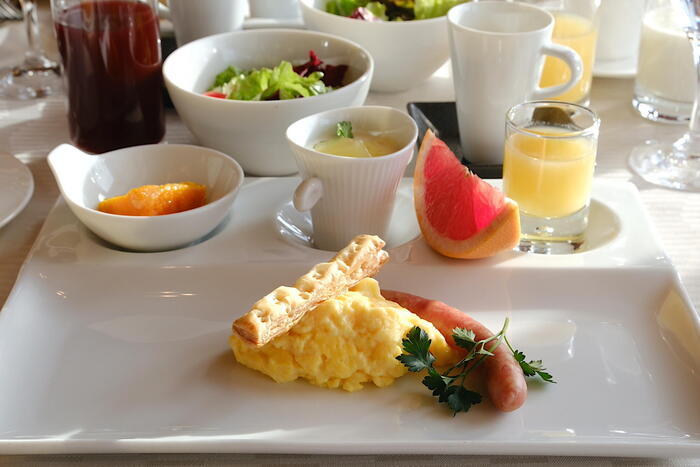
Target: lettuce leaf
point(378, 9)
point(344, 7)
point(291, 85)
point(253, 86)
point(425, 9)
point(225, 76)
point(280, 82)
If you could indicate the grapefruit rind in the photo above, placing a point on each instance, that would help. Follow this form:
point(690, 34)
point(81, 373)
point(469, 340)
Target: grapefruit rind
point(503, 233)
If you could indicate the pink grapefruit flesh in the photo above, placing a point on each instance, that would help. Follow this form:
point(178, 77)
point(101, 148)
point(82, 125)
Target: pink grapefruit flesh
point(460, 215)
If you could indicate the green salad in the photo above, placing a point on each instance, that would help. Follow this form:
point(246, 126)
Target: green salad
point(282, 82)
point(391, 10)
point(263, 84)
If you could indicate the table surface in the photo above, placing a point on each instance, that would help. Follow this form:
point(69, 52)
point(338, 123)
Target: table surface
point(30, 129)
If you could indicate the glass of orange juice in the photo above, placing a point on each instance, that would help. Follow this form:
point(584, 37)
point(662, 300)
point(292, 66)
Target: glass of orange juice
point(548, 167)
point(575, 26)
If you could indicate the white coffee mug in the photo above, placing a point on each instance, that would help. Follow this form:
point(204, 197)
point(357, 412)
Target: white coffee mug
point(194, 19)
point(498, 50)
point(348, 196)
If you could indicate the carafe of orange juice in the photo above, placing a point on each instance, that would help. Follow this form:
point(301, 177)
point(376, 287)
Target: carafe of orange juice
point(575, 26)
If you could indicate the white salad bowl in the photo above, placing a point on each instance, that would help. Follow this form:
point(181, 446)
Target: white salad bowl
point(85, 180)
point(253, 132)
point(405, 52)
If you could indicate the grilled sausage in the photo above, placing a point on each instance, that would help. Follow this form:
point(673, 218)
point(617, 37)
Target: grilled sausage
point(505, 381)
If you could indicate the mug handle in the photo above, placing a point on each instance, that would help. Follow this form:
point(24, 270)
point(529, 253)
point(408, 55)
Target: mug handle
point(307, 194)
point(572, 60)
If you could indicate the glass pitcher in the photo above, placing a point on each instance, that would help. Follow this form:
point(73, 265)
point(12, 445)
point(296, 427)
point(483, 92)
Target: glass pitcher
point(575, 26)
point(665, 85)
point(111, 57)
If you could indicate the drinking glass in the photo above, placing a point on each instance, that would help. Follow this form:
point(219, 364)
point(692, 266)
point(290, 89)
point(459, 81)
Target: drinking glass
point(575, 26)
point(677, 165)
point(664, 89)
point(112, 66)
point(548, 167)
point(37, 76)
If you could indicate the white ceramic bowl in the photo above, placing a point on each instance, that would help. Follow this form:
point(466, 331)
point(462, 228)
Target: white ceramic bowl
point(405, 52)
point(253, 132)
point(85, 180)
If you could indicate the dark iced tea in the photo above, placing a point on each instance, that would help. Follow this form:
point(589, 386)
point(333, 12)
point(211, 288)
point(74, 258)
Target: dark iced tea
point(112, 64)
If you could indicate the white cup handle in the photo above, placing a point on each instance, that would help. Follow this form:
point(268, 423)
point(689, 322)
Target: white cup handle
point(572, 60)
point(307, 194)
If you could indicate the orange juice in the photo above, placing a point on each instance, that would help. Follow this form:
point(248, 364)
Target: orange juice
point(548, 177)
point(580, 34)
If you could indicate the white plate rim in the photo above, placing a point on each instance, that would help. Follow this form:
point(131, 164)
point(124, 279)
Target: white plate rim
point(24, 171)
point(621, 69)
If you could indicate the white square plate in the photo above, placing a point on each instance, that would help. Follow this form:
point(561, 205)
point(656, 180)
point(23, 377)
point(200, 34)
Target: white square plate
point(103, 350)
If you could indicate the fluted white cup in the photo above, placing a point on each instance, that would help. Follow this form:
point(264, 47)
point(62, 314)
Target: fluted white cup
point(348, 196)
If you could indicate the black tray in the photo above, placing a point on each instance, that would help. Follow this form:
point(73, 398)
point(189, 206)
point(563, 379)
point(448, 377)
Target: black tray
point(441, 117)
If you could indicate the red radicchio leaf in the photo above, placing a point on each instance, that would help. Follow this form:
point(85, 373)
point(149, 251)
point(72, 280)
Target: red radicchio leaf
point(364, 14)
point(332, 74)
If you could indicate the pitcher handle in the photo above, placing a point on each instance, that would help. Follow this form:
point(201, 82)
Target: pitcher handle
point(572, 60)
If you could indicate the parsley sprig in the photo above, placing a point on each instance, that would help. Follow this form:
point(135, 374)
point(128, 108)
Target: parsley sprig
point(448, 386)
point(344, 129)
point(531, 368)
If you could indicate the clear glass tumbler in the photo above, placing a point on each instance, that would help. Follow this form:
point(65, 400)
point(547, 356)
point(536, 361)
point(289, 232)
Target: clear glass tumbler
point(112, 67)
point(664, 88)
point(677, 165)
point(37, 76)
point(576, 26)
point(548, 167)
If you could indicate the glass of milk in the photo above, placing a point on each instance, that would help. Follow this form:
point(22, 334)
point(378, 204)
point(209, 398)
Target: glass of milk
point(665, 84)
point(672, 165)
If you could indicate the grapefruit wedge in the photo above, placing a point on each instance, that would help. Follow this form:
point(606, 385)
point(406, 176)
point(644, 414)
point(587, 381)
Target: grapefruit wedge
point(460, 215)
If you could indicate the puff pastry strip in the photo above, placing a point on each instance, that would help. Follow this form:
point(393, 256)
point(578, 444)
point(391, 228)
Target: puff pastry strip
point(277, 312)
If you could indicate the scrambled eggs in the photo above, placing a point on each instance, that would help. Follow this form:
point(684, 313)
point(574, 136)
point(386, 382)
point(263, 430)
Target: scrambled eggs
point(343, 343)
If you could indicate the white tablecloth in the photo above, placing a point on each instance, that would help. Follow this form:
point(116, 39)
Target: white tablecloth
point(30, 129)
